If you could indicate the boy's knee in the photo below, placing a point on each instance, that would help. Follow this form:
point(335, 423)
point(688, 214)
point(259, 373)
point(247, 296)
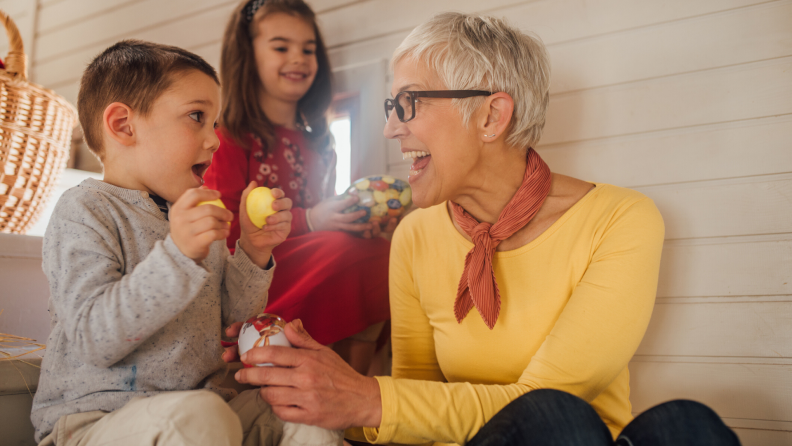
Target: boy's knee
point(204, 415)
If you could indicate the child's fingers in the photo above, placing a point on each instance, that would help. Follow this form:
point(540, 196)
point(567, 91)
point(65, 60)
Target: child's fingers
point(231, 354)
point(337, 205)
point(354, 227)
point(279, 217)
point(208, 211)
point(282, 204)
point(208, 237)
point(350, 217)
point(192, 197)
point(205, 224)
point(232, 331)
point(277, 193)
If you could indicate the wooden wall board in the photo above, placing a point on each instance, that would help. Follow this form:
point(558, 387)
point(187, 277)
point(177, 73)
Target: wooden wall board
point(61, 14)
point(724, 150)
point(729, 38)
point(736, 391)
point(756, 329)
point(580, 18)
point(67, 69)
point(720, 208)
point(124, 21)
point(749, 437)
point(746, 91)
point(727, 266)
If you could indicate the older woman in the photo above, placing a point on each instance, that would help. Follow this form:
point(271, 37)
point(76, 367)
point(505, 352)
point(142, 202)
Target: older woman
point(508, 281)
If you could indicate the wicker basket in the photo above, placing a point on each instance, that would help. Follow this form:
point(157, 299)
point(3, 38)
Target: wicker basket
point(35, 137)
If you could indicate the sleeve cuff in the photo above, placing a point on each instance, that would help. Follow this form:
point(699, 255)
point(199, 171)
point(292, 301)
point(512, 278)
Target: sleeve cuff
point(246, 266)
point(385, 432)
point(194, 270)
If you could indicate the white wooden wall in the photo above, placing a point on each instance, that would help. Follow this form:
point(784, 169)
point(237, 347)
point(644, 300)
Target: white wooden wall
point(689, 102)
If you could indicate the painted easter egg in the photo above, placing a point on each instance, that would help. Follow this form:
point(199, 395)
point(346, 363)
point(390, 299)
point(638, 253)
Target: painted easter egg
point(264, 329)
point(380, 196)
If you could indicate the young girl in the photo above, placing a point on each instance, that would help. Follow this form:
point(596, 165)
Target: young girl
point(276, 88)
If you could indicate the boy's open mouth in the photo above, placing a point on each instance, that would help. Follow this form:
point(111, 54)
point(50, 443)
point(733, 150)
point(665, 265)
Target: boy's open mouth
point(200, 169)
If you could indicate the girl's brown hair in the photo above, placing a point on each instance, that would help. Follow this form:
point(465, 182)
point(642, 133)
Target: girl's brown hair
point(241, 114)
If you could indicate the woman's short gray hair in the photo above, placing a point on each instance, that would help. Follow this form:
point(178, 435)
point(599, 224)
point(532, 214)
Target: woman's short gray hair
point(476, 52)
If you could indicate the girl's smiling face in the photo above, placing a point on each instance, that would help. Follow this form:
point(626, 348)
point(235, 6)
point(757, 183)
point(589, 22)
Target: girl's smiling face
point(285, 51)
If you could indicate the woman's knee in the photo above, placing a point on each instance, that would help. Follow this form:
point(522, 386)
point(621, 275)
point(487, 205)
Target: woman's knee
point(679, 422)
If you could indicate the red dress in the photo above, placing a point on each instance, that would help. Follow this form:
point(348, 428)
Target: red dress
point(335, 282)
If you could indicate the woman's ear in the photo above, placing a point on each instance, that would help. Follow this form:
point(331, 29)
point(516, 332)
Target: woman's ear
point(497, 110)
point(117, 123)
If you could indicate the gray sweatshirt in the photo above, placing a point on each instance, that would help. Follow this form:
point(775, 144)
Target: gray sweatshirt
point(130, 314)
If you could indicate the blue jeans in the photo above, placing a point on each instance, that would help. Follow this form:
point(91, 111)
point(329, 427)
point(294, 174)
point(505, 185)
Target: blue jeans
point(549, 417)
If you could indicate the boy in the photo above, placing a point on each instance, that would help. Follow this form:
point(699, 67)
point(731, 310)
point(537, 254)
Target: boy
point(141, 279)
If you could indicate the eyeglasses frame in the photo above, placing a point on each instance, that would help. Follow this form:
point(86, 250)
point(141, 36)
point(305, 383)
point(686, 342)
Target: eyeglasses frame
point(448, 94)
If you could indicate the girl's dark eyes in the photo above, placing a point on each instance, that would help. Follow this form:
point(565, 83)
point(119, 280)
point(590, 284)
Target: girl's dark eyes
point(281, 49)
point(197, 116)
point(309, 52)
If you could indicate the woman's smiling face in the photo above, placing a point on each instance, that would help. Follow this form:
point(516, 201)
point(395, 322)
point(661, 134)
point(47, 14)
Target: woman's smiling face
point(445, 153)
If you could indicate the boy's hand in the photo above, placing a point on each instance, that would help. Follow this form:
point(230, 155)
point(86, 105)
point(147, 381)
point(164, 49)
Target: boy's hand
point(258, 243)
point(194, 228)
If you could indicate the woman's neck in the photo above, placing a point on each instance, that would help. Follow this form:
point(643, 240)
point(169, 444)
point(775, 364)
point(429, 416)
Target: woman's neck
point(279, 112)
point(493, 185)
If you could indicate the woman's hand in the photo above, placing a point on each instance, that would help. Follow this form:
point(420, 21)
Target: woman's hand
point(311, 384)
point(327, 216)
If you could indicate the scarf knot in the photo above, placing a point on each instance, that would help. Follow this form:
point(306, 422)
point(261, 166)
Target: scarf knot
point(477, 286)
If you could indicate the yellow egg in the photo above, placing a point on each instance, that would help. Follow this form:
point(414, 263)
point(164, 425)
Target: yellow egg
point(380, 196)
point(218, 203)
point(259, 205)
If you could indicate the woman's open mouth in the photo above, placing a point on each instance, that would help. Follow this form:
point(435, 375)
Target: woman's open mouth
point(199, 170)
point(420, 161)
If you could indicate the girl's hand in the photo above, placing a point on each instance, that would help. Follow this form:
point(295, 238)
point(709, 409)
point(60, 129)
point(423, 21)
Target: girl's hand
point(327, 216)
point(194, 228)
point(258, 243)
point(311, 384)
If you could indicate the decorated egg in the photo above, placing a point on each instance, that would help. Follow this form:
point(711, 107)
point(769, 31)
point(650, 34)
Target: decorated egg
point(264, 329)
point(381, 196)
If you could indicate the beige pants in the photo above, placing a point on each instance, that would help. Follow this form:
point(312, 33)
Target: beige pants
point(197, 417)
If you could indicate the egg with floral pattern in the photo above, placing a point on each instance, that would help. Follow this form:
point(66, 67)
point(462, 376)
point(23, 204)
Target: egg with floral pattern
point(264, 329)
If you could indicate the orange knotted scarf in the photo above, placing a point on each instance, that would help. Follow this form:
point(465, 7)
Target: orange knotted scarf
point(478, 287)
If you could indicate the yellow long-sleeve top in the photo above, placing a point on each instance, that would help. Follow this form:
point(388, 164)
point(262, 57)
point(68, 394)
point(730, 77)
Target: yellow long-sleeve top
point(575, 303)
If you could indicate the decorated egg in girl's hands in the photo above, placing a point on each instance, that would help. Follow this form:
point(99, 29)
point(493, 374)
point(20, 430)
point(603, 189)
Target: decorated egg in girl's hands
point(380, 196)
point(259, 205)
point(261, 330)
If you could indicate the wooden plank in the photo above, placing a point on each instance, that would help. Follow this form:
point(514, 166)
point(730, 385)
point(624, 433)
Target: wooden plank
point(733, 149)
point(720, 208)
point(739, 36)
point(729, 266)
point(188, 32)
point(734, 391)
point(580, 18)
point(756, 329)
point(760, 437)
point(728, 94)
point(69, 92)
point(126, 21)
point(320, 6)
point(56, 15)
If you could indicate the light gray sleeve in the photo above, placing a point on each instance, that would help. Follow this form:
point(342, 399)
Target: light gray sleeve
point(106, 314)
point(245, 287)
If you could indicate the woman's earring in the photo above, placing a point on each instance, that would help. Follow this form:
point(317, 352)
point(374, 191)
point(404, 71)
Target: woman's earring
point(490, 136)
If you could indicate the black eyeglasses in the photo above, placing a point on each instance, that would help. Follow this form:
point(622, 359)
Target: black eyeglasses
point(404, 102)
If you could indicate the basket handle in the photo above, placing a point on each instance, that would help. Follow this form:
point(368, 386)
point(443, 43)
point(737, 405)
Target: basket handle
point(16, 61)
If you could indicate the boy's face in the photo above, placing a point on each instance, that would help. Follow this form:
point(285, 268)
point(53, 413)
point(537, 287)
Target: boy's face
point(175, 142)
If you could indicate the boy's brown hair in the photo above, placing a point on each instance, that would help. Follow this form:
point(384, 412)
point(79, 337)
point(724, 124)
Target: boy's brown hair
point(134, 73)
point(241, 114)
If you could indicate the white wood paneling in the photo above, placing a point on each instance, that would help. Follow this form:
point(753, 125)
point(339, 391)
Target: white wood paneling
point(53, 16)
point(734, 329)
point(751, 205)
point(728, 266)
point(746, 91)
point(724, 150)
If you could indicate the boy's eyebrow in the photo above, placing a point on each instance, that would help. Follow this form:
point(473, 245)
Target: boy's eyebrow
point(200, 101)
point(283, 39)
